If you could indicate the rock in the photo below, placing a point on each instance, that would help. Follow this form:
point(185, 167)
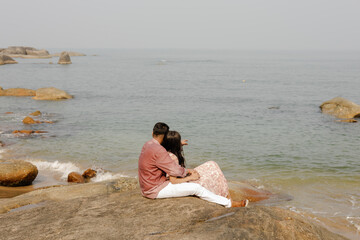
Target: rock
point(64, 58)
point(29, 120)
point(51, 94)
point(5, 59)
point(341, 108)
point(36, 113)
point(23, 132)
point(9, 113)
point(71, 54)
point(351, 120)
point(17, 92)
point(17, 173)
point(85, 177)
point(15, 50)
point(2, 144)
point(41, 52)
point(28, 132)
point(75, 177)
point(89, 173)
point(112, 209)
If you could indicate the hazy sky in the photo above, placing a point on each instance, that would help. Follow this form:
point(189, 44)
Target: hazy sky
point(222, 24)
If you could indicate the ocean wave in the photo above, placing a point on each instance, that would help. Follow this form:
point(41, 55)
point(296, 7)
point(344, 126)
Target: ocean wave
point(64, 168)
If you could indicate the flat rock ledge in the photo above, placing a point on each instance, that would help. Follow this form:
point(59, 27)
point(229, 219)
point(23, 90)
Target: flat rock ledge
point(50, 93)
point(116, 210)
point(17, 173)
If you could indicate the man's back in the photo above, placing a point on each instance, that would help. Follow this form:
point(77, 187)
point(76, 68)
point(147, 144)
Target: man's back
point(154, 163)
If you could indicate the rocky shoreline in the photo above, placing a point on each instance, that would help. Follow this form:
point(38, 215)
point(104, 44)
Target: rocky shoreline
point(7, 54)
point(116, 210)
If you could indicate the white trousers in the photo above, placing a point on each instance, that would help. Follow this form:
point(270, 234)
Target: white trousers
point(189, 189)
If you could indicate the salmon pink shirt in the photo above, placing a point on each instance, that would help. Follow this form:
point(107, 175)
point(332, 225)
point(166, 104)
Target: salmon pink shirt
point(154, 163)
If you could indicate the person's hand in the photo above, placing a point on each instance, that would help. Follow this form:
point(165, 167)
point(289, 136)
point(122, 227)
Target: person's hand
point(194, 176)
point(190, 171)
point(184, 142)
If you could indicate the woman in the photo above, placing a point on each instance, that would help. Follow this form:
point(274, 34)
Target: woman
point(211, 176)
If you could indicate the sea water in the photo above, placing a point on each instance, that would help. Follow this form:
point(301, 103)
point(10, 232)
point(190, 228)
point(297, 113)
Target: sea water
point(256, 113)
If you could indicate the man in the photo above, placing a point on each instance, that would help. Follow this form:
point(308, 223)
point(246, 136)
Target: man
point(155, 162)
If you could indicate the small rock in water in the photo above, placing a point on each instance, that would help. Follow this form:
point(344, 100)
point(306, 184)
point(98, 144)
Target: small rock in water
point(29, 120)
point(37, 113)
point(64, 58)
point(75, 178)
point(89, 173)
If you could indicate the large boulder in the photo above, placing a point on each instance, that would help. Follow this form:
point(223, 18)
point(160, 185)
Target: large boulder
point(41, 52)
point(51, 94)
point(17, 173)
point(4, 59)
point(17, 92)
point(64, 58)
point(341, 108)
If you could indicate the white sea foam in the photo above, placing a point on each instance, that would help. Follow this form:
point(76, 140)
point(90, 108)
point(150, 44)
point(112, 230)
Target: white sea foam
point(65, 168)
point(62, 168)
point(103, 175)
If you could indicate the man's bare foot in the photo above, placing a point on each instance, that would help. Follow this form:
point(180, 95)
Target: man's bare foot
point(242, 203)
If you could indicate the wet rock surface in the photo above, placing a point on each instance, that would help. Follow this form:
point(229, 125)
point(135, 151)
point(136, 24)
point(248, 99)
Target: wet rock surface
point(17, 173)
point(116, 210)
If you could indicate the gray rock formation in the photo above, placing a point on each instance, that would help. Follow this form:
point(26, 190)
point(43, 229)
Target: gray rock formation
point(51, 94)
point(116, 210)
point(4, 59)
point(15, 50)
point(341, 108)
point(64, 58)
point(41, 52)
point(17, 173)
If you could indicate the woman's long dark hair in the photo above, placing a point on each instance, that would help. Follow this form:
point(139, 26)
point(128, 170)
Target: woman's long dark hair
point(172, 143)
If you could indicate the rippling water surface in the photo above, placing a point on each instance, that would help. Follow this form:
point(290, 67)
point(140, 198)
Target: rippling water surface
point(255, 113)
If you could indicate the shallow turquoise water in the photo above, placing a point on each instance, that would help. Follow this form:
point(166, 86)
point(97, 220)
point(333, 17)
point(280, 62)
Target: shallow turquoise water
point(255, 113)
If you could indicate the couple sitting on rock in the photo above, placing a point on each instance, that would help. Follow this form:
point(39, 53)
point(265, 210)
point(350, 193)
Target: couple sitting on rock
point(162, 172)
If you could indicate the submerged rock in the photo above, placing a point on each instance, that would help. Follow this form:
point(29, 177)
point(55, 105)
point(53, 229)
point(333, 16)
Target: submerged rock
point(17, 173)
point(64, 58)
point(17, 92)
point(341, 108)
point(4, 59)
point(51, 94)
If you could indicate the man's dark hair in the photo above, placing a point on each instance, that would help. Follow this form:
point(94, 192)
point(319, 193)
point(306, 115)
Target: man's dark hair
point(160, 128)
